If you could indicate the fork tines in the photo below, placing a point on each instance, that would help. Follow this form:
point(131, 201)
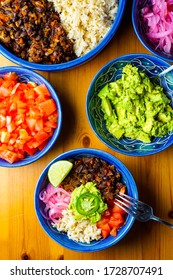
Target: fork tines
point(127, 203)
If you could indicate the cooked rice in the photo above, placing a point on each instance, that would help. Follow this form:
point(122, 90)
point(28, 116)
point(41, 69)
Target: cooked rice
point(86, 21)
point(80, 231)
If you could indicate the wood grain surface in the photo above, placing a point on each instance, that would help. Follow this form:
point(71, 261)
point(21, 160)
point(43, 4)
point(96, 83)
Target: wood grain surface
point(21, 236)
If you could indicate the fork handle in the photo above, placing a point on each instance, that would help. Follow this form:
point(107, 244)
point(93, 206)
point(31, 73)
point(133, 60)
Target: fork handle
point(161, 221)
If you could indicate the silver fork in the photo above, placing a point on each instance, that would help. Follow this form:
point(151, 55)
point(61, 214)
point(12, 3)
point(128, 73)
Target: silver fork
point(139, 210)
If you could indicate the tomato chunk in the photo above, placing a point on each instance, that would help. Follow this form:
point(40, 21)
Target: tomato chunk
point(111, 221)
point(47, 107)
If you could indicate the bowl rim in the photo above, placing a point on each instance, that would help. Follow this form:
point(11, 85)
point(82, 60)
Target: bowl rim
point(30, 159)
point(73, 63)
point(107, 65)
point(145, 44)
point(96, 152)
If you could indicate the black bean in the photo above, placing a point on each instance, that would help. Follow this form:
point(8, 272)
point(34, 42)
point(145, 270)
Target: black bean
point(94, 170)
point(38, 25)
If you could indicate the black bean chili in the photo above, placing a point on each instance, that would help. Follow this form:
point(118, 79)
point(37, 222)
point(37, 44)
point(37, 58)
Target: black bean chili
point(92, 169)
point(32, 30)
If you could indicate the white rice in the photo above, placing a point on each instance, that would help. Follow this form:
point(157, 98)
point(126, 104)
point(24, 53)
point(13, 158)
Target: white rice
point(80, 231)
point(86, 21)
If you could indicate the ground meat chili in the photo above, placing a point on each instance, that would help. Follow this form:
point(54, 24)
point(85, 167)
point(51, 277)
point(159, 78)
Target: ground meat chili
point(92, 169)
point(32, 31)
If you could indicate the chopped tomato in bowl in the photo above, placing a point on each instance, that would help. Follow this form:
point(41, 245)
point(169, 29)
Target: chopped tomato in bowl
point(30, 116)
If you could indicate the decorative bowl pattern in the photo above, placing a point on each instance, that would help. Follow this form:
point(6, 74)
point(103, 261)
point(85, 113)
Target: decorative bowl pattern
point(62, 238)
point(25, 76)
point(112, 71)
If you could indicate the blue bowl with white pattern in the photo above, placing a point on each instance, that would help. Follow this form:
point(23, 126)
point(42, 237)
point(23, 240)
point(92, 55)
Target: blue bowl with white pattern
point(26, 75)
point(112, 71)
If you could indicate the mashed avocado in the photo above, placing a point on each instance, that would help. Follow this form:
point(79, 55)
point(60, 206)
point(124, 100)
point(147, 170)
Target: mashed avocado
point(136, 108)
point(87, 203)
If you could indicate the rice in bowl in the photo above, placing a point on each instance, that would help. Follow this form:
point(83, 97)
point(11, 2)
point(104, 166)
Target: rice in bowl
point(86, 22)
point(77, 230)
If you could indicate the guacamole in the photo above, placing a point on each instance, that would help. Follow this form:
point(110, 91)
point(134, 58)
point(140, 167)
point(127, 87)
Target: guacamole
point(86, 203)
point(136, 108)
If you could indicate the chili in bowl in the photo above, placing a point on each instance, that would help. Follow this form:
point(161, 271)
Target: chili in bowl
point(77, 210)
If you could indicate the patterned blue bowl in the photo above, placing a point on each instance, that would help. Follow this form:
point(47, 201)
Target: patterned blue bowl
point(62, 238)
point(112, 71)
point(141, 30)
point(76, 62)
point(25, 76)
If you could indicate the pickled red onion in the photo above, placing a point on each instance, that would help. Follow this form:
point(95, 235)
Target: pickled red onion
point(159, 20)
point(56, 200)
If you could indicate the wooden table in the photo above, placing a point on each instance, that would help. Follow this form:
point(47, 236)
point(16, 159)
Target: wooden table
point(21, 236)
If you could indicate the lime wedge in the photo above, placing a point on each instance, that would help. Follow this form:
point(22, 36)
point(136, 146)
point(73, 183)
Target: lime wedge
point(58, 171)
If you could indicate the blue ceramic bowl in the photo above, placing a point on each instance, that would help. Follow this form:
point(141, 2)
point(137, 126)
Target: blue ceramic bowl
point(141, 30)
point(27, 75)
point(112, 71)
point(62, 238)
point(76, 62)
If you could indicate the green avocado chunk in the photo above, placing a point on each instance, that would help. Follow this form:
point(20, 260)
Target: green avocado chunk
point(136, 108)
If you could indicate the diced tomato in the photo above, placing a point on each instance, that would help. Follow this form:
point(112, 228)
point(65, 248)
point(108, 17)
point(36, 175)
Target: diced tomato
point(8, 156)
point(106, 227)
point(8, 83)
point(1, 81)
point(53, 117)
point(117, 209)
point(21, 105)
point(19, 119)
point(10, 76)
point(105, 233)
point(28, 117)
point(11, 126)
point(30, 94)
point(8, 120)
point(115, 222)
point(30, 151)
point(41, 146)
point(31, 123)
point(47, 107)
point(15, 88)
point(30, 144)
point(13, 138)
point(5, 136)
point(112, 219)
point(51, 124)
point(113, 231)
point(20, 155)
point(2, 121)
point(42, 90)
point(13, 107)
point(34, 112)
point(3, 111)
point(23, 134)
point(102, 222)
point(5, 91)
point(40, 137)
point(39, 125)
point(21, 111)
